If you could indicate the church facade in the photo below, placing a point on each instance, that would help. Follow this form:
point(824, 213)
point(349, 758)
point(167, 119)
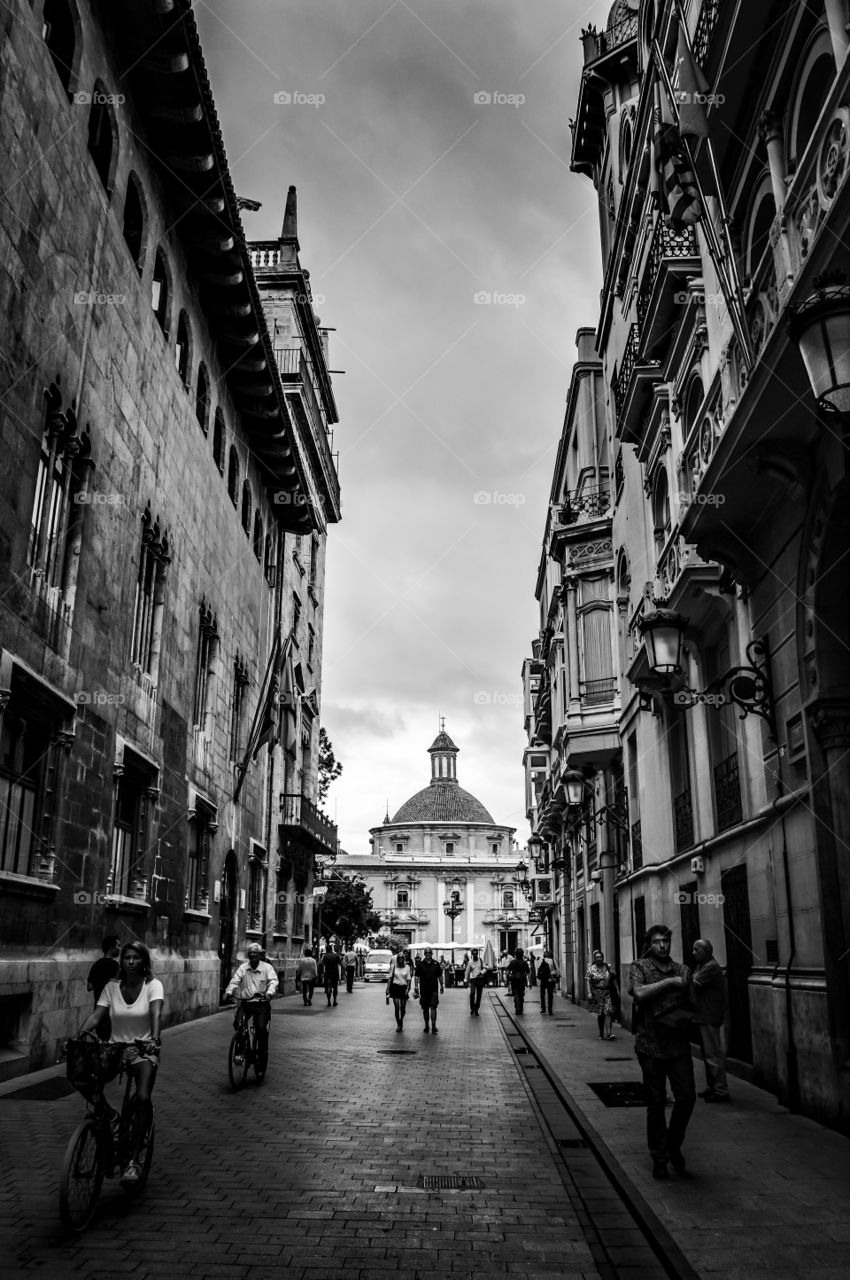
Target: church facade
point(442, 871)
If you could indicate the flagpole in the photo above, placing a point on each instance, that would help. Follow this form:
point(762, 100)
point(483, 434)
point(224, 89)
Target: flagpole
point(261, 704)
point(732, 297)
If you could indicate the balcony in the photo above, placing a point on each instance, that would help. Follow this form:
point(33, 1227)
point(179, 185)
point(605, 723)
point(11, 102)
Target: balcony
point(593, 502)
point(299, 816)
point(300, 393)
point(727, 793)
point(42, 608)
point(683, 820)
point(632, 385)
point(672, 259)
point(598, 693)
point(706, 23)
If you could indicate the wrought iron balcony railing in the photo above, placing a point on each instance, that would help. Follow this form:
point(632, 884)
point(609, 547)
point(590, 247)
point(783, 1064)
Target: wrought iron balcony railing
point(297, 811)
point(621, 33)
point(668, 243)
point(727, 792)
point(706, 23)
point(598, 692)
point(590, 503)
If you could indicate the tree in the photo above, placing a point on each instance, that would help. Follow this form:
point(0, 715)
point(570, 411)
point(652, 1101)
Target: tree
point(329, 767)
point(390, 942)
point(347, 910)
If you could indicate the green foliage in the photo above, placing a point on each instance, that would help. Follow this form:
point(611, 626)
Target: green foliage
point(329, 767)
point(347, 910)
point(389, 942)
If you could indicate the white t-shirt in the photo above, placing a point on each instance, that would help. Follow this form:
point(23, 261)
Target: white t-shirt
point(130, 1021)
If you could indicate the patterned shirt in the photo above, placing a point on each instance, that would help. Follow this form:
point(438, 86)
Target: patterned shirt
point(651, 1040)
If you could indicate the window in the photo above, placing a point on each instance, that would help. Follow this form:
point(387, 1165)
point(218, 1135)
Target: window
point(508, 900)
point(240, 684)
point(311, 645)
point(247, 504)
point(103, 136)
point(314, 560)
point(281, 910)
point(56, 514)
point(258, 536)
point(402, 898)
point(300, 904)
point(270, 567)
point(202, 398)
point(761, 220)
point(660, 509)
point(598, 683)
point(181, 349)
point(399, 848)
point(32, 737)
point(202, 828)
point(494, 848)
point(257, 870)
point(450, 848)
point(135, 794)
point(722, 725)
point(680, 777)
point(815, 81)
point(58, 32)
point(233, 475)
point(159, 291)
point(154, 558)
point(205, 670)
point(134, 221)
point(218, 440)
point(296, 614)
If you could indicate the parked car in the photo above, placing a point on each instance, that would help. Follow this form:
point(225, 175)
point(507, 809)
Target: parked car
point(378, 965)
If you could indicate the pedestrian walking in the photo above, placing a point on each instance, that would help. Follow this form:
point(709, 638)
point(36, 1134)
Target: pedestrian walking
point(331, 965)
point(307, 973)
point(474, 977)
point(548, 977)
point(708, 993)
point(102, 971)
point(398, 987)
point(601, 984)
point(428, 986)
point(532, 964)
point(517, 975)
point(349, 961)
point(659, 987)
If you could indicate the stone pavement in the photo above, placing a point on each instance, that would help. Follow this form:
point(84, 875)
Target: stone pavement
point(313, 1175)
point(766, 1195)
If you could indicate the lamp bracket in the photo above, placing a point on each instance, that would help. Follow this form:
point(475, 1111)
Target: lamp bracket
point(749, 687)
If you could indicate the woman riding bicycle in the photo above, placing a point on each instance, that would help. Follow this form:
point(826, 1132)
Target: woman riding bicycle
point(134, 1002)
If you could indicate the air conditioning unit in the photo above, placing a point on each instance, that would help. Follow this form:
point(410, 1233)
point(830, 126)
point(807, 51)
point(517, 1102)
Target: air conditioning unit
point(698, 865)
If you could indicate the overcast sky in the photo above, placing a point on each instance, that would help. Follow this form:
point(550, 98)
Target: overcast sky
point(414, 198)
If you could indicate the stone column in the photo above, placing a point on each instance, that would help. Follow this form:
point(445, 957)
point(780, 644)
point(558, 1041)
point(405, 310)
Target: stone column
point(570, 587)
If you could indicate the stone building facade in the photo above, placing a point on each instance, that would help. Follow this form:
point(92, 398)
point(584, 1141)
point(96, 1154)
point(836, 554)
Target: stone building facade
point(441, 870)
point(729, 510)
point(164, 505)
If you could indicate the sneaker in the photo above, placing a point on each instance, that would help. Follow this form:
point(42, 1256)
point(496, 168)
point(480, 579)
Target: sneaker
point(131, 1174)
point(433, 1031)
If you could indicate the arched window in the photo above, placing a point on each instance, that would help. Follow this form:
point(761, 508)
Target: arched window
point(660, 509)
point(218, 440)
point(627, 137)
point(233, 475)
point(760, 221)
point(159, 291)
point(103, 136)
point(181, 349)
point(269, 564)
point(815, 80)
point(508, 900)
point(258, 536)
point(134, 221)
point(694, 397)
point(58, 28)
point(247, 504)
point(202, 398)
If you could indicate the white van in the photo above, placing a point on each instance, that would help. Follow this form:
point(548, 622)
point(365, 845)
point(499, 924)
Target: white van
point(378, 965)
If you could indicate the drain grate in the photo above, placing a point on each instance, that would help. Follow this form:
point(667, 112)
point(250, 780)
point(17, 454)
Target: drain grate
point(626, 1059)
point(620, 1093)
point(522, 1049)
point(398, 1053)
point(571, 1142)
point(449, 1182)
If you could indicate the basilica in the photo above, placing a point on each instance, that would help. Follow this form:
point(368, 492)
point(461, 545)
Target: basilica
point(442, 871)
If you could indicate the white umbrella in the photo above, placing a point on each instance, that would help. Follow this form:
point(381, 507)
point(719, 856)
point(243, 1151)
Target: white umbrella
point(489, 957)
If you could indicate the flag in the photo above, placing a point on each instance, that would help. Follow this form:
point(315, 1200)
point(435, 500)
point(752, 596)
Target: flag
point(690, 89)
point(268, 727)
point(289, 700)
point(678, 193)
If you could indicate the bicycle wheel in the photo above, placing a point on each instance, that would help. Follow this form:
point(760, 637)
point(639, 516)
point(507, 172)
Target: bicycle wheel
point(145, 1155)
point(82, 1177)
point(237, 1059)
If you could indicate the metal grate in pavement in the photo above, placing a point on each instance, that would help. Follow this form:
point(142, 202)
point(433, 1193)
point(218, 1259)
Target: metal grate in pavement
point(620, 1093)
point(398, 1052)
point(449, 1182)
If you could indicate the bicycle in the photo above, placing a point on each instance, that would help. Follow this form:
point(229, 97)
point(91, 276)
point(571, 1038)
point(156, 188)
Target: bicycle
point(102, 1144)
point(246, 1049)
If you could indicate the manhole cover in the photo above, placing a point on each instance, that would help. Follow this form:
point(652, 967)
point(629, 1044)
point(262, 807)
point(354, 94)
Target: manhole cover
point(449, 1182)
point(44, 1091)
point(398, 1052)
point(620, 1093)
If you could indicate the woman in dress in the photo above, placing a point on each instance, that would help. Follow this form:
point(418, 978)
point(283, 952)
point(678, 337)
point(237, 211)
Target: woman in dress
point(398, 986)
point(601, 985)
point(133, 1000)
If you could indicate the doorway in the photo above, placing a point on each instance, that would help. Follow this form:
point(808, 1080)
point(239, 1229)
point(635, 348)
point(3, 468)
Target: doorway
point(739, 960)
point(227, 919)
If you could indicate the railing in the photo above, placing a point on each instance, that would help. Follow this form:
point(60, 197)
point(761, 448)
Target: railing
point(683, 820)
point(265, 254)
point(592, 501)
point(727, 792)
point(706, 23)
point(289, 362)
point(621, 33)
point(626, 369)
point(667, 242)
point(637, 847)
point(42, 607)
point(297, 811)
point(596, 692)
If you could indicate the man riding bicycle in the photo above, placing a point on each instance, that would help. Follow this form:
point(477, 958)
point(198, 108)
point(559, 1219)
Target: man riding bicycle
point(254, 982)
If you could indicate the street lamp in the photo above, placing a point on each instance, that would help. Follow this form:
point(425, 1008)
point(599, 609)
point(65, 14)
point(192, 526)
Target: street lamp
point(820, 326)
point(663, 631)
point(453, 906)
point(535, 848)
point(574, 782)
